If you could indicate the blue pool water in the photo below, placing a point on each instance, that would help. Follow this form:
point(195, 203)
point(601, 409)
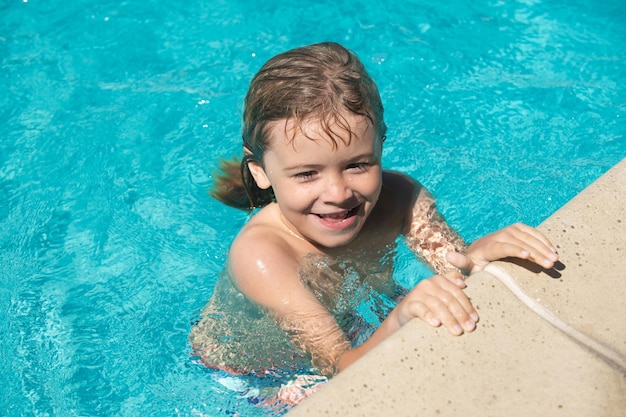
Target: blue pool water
point(113, 117)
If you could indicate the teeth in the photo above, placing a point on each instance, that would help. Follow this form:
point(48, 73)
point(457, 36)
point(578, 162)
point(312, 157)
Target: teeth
point(335, 216)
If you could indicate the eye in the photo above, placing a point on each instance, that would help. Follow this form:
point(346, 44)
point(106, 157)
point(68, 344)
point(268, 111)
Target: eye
point(305, 176)
point(358, 166)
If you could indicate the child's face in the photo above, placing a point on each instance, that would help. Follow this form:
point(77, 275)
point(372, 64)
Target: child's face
point(325, 193)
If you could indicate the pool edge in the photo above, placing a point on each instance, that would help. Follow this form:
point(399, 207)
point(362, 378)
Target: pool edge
point(516, 362)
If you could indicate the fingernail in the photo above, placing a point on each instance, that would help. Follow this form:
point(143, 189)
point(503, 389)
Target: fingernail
point(474, 317)
point(457, 329)
point(434, 322)
point(470, 325)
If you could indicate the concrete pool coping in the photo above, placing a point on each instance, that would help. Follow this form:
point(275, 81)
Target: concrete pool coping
point(549, 343)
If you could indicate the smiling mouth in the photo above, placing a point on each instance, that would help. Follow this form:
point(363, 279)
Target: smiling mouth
point(339, 217)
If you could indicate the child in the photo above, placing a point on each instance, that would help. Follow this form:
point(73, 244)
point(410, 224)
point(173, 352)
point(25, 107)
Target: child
point(298, 272)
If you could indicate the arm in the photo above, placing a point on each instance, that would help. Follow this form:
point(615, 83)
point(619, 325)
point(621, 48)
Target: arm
point(437, 300)
point(268, 274)
point(427, 233)
point(432, 239)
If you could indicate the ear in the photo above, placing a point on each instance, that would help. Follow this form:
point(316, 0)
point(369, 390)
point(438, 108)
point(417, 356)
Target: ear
point(258, 173)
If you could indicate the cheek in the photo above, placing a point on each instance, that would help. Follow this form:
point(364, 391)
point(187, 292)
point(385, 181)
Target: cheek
point(371, 185)
point(293, 197)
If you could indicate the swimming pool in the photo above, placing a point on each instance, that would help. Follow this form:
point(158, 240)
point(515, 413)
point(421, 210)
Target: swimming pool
point(114, 115)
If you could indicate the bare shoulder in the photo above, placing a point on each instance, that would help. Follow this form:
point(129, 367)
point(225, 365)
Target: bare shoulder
point(405, 186)
point(401, 190)
point(257, 251)
point(406, 198)
point(264, 264)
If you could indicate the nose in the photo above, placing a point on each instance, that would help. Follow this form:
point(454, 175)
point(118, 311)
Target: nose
point(337, 189)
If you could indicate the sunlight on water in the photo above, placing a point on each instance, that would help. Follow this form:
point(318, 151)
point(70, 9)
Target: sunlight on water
point(114, 115)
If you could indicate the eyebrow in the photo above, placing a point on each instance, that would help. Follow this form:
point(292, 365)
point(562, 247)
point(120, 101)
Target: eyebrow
point(302, 166)
point(367, 156)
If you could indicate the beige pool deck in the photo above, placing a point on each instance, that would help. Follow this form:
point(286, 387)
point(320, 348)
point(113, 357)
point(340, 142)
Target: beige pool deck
point(549, 343)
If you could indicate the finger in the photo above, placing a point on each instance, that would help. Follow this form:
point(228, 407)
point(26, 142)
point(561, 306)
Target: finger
point(442, 309)
point(460, 307)
point(512, 242)
point(531, 244)
point(451, 306)
point(536, 234)
point(464, 314)
point(518, 249)
point(541, 250)
point(422, 311)
point(423, 302)
point(531, 237)
point(460, 260)
point(456, 278)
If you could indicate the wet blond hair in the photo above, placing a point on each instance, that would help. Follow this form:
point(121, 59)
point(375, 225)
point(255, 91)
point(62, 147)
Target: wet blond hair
point(319, 82)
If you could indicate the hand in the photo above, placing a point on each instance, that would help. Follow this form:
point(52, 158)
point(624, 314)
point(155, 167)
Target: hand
point(440, 300)
point(517, 240)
